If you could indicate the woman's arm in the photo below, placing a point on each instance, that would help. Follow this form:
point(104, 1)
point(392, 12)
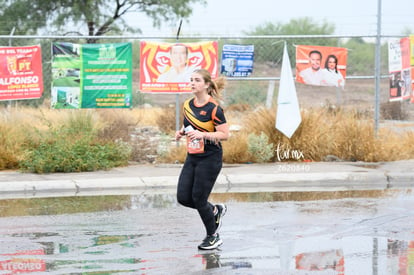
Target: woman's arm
point(221, 133)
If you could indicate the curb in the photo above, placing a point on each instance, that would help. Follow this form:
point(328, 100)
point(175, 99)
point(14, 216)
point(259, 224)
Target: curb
point(226, 183)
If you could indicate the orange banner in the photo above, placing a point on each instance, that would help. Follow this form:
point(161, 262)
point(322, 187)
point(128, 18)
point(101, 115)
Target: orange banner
point(21, 73)
point(321, 66)
point(18, 262)
point(401, 73)
point(167, 67)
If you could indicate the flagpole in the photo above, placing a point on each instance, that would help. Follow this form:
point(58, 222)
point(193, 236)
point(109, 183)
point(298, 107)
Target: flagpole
point(177, 96)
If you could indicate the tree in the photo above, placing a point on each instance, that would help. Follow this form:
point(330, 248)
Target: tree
point(270, 50)
point(87, 17)
point(361, 57)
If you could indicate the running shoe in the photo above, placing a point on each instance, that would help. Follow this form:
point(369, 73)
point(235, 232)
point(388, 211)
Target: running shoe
point(210, 242)
point(221, 211)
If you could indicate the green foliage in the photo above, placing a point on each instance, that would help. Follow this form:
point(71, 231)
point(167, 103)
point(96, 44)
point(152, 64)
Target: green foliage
point(139, 99)
point(94, 18)
point(259, 147)
point(271, 50)
point(299, 26)
point(246, 93)
point(72, 147)
point(76, 156)
point(407, 31)
point(21, 18)
point(361, 57)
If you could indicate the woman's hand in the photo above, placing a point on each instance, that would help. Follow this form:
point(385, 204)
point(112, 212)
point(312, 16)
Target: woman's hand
point(196, 134)
point(179, 135)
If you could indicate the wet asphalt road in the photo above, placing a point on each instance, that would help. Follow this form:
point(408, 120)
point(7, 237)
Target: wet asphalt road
point(153, 235)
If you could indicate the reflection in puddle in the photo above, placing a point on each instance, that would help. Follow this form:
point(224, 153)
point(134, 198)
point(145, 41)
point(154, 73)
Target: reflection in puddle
point(292, 233)
point(69, 205)
point(387, 256)
point(400, 257)
point(368, 165)
point(305, 196)
point(211, 260)
point(321, 260)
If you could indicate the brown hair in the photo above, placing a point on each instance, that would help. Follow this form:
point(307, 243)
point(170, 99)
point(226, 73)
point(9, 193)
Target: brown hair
point(215, 87)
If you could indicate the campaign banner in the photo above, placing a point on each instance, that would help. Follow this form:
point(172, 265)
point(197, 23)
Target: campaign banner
point(321, 65)
point(91, 75)
point(237, 60)
point(21, 74)
point(411, 38)
point(412, 50)
point(400, 69)
point(330, 260)
point(22, 262)
point(167, 67)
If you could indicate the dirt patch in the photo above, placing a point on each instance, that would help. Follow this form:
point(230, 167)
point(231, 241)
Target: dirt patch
point(359, 94)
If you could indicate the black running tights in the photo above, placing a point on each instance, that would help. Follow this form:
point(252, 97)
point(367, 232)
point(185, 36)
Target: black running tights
point(195, 183)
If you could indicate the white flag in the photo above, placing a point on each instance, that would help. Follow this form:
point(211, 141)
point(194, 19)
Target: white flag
point(288, 116)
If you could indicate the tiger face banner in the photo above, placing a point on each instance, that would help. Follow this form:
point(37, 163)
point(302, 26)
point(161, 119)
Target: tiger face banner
point(167, 67)
point(21, 74)
point(321, 66)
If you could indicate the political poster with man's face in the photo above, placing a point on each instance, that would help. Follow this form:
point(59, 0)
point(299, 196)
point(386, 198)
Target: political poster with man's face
point(167, 67)
point(321, 65)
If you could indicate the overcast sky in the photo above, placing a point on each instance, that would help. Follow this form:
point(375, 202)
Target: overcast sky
point(350, 17)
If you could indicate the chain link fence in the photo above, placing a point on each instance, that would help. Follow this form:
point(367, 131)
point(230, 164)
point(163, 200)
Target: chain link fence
point(262, 85)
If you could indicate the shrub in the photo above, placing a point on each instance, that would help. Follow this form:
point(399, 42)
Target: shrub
point(260, 149)
point(78, 156)
point(72, 147)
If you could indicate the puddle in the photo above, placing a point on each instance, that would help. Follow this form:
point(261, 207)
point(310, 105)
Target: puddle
point(82, 204)
point(368, 165)
point(346, 232)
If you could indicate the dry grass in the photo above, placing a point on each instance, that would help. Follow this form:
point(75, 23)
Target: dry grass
point(324, 132)
point(166, 120)
point(235, 148)
point(346, 134)
point(176, 154)
point(19, 125)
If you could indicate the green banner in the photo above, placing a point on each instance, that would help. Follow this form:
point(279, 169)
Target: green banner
point(91, 75)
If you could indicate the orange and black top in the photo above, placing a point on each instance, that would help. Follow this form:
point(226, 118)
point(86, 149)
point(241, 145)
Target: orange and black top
point(204, 118)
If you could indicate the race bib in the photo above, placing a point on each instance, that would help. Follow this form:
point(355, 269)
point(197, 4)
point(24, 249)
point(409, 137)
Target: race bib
point(196, 146)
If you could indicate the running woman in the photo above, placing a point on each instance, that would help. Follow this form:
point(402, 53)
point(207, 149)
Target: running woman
point(204, 127)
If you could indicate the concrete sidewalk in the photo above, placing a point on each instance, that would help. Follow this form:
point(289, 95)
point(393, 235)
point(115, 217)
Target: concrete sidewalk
point(162, 178)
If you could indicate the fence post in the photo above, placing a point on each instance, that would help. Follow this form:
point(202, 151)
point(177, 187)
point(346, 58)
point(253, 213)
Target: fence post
point(270, 91)
point(378, 68)
point(10, 44)
point(338, 96)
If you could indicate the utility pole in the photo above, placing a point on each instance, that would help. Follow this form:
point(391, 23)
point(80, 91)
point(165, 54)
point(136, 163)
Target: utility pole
point(378, 68)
